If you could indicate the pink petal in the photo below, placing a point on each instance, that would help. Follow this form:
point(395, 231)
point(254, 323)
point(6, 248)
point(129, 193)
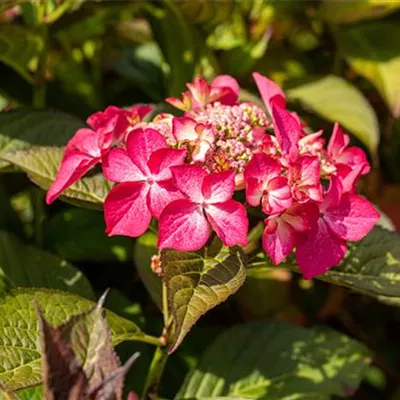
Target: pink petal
point(269, 90)
point(353, 218)
point(183, 226)
point(333, 195)
point(189, 180)
point(85, 141)
point(302, 217)
point(73, 166)
point(229, 220)
point(118, 167)
point(337, 142)
point(125, 210)
point(141, 143)
point(348, 176)
point(185, 104)
point(254, 191)
point(183, 128)
point(278, 197)
point(319, 250)
point(218, 187)
point(162, 160)
point(160, 195)
point(262, 167)
point(278, 240)
point(141, 110)
point(230, 96)
point(199, 89)
point(287, 130)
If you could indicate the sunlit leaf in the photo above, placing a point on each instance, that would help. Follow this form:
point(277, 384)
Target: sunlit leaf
point(26, 128)
point(371, 51)
point(20, 360)
point(340, 12)
point(277, 361)
point(335, 99)
point(41, 164)
point(198, 282)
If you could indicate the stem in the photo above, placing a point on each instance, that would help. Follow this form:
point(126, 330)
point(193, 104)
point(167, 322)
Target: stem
point(155, 341)
point(165, 305)
point(155, 373)
point(58, 12)
point(39, 88)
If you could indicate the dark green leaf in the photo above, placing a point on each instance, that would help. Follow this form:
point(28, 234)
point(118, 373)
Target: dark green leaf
point(196, 283)
point(372, 53)
point(145, 248)
point(79, 235)
point(337, 100)
point(25, 266)
point(26, 128)
point(277, 361)
point(19, 338)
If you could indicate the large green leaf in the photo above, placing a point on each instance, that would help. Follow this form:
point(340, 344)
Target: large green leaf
point(20, 360)
point(146, 247)
point(342, 12)
point(372, 53)
point(337, 100)
point(41, 164)
point(198, 282)
point(26, 128)
point(79, 235)
point(277, 361)
point(25, 266)
point(18, 48)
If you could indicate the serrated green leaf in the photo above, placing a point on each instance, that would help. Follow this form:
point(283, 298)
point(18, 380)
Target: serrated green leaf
point(19, 332)
point(18, 48)
point(25, 266)
point(198, 282)
point(335, 99)
point(371, 51)
point(145, 247)
point(26, 128)
point(41, 164)
point(340, 12)
point(276, 361)
point(79, 235)
point(35, 393)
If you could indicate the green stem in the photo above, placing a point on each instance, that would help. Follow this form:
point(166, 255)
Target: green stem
point(39, 88)
point(58, 12)
point(155, 341)
point(155, 373)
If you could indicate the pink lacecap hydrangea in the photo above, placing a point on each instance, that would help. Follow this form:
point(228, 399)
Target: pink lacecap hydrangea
point(184, 171)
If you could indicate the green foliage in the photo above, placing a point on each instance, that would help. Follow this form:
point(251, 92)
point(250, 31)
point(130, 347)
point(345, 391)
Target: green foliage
point(198, 282)
point(20, 364)
point(277, 361)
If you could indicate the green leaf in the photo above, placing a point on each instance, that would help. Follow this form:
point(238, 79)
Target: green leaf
point(372, 53)
point(79, 235)
point(34, 393)
point(352, 11)
point(20, 360)
point(335, 99)
point(26, 128)
point(41, 164)
point(146, 247)
point(198, 282)
point(9, 219)
point(19, 47)
point(25, 266)
point(177, 44)
point(277, 361)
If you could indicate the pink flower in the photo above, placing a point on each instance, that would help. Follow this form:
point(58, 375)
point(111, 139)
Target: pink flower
point(223, 89)
point(265, 184)
point(147, 185)
point(343, 217)
point(305, 180)
point(199, 136)
point(351, 162)
point(281, 232)
point(185, 224)
point(270, 92)
point(87, 148)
